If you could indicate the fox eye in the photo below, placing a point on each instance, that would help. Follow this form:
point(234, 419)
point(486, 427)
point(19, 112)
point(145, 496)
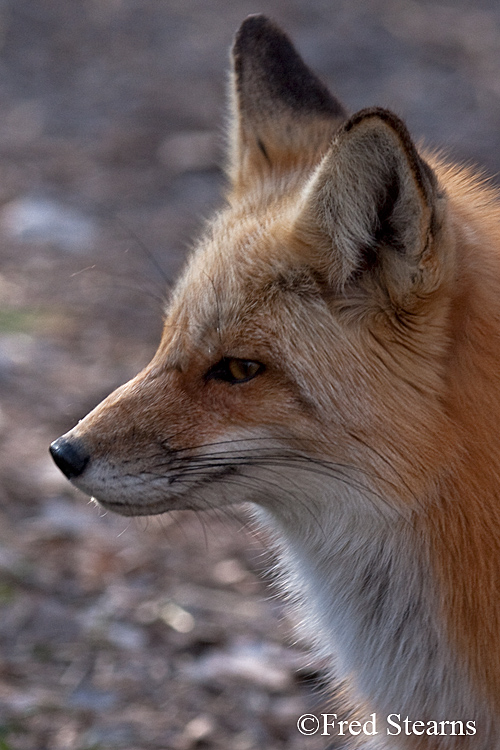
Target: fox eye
point(233, 370)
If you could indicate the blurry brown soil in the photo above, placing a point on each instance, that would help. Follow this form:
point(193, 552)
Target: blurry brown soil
point(158, 633)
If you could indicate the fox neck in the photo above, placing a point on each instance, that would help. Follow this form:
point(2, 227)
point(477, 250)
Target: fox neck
point(370, 602)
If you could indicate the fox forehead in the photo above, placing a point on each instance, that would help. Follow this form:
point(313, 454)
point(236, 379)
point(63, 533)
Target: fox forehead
point(246, 262)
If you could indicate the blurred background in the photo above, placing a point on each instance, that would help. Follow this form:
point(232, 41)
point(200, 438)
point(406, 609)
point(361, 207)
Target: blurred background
point(160, 633)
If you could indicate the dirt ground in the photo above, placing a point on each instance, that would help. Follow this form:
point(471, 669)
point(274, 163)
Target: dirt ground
point(162, 633)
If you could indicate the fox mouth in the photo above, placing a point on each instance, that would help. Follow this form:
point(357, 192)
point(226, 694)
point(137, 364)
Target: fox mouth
point(184, 501)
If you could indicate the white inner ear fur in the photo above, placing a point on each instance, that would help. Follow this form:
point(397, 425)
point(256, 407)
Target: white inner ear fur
point(343, 200)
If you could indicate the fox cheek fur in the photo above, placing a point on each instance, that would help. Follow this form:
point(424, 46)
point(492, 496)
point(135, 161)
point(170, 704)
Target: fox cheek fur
point(331, 355)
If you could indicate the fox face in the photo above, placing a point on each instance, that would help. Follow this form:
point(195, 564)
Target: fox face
point(290, 309)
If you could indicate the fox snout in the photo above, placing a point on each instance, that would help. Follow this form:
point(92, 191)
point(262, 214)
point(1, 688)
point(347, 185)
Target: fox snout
point(70, 456)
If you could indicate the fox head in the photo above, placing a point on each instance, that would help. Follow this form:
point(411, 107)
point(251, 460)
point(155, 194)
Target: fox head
point(304, 345)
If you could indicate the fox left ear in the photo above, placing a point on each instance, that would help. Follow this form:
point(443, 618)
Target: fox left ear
point(283, 115)
point(372, 207)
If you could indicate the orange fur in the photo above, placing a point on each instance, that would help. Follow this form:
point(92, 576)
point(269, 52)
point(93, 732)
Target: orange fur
point(331, 355)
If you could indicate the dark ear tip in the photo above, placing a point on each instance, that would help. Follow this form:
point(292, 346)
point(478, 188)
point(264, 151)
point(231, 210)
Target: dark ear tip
point(377, 113)
point(379, 116)
point(423, 174)
point(255, 28)
point(255, 21)
point(265, 57)
point(254, 25)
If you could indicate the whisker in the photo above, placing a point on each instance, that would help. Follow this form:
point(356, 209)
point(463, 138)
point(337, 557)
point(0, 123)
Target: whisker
point(394, 485)
point(144, 248)
point(190, 469)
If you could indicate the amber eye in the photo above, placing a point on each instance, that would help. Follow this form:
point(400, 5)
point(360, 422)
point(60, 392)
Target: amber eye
point(234, 370)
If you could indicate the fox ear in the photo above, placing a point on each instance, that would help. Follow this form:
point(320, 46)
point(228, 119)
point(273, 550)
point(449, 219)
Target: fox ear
point(372, 205)
point(283, 115)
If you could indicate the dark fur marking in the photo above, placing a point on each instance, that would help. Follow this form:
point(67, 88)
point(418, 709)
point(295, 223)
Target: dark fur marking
point(263, 150)
point(270, 55)
point(386, 232)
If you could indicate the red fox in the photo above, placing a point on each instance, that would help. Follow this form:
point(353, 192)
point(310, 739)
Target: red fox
point(332, 356)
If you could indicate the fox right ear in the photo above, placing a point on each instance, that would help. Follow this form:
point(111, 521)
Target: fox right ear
point(284, 116)
point(372, 207)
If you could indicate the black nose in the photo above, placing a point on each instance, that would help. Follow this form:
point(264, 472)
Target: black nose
point(69, 456)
